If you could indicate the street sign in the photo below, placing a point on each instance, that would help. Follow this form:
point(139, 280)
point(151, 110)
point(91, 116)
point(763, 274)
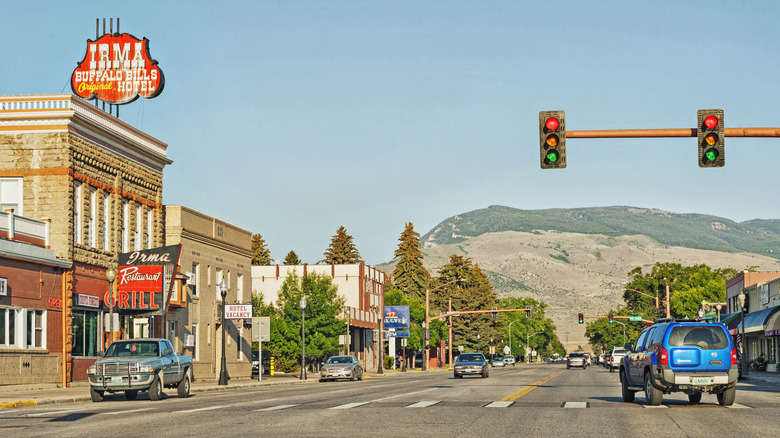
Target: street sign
point(238, 311)
point(635, 318)
point(261, 328)
point(389, 334)
point(397, 317)
point(506, 349)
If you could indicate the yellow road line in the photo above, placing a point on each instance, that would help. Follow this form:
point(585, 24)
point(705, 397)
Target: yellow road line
point(528, 389)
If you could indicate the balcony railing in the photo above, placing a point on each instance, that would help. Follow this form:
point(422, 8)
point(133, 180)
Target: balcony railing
point(23, 229)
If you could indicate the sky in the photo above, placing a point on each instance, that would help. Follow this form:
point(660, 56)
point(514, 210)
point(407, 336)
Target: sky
point(293, 118)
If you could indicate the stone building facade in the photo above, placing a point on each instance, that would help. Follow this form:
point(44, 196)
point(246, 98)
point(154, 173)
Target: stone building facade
point(99, 182)
point(211, 250)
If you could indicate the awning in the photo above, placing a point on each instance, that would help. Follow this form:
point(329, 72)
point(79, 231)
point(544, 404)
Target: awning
point(756, 321)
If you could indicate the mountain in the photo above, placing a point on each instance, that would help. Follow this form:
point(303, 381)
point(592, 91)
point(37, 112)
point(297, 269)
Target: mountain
point(577, 260)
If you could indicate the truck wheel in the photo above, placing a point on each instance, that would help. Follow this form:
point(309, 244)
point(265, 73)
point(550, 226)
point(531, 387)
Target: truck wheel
point(155, 391)
point(131, 394)
point(726, 398)
point(653, 396)
point(183, 388)
point(628, 395)
point(95, 395)
point(694, 398)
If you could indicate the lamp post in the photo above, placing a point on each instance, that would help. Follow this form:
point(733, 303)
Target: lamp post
point(743, 360)
point(510, 335)
point(624, 331)
point(648, 295)
point(111, 276)
point(528, 346)
point(303, 338)
point(223, 375)
point(428, 321)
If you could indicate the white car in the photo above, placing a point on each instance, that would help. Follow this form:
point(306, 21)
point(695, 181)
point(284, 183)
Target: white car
point(498, 362)
point(509, 360)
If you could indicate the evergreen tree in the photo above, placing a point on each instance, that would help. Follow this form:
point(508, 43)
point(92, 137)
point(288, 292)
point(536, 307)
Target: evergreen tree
point(261, 256)
point(342, 250)
point(409, 275)
point(292, 259)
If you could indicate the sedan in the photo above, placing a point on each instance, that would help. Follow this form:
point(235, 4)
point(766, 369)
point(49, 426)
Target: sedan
point(341, 367)
point(498, 362)
point(471, 364)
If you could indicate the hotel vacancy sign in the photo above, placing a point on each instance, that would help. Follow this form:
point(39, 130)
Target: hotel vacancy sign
point(238, 311)
point(117, 69)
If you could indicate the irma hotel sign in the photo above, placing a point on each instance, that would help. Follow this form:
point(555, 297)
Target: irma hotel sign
point(144, 280)
point(117, 69)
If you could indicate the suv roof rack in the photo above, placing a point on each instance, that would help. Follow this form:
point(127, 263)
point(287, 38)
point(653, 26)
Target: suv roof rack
point(673, 319)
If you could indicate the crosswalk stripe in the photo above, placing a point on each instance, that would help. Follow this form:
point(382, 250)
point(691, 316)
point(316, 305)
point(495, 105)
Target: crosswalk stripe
point(210, 408)
point(423, 404)
point(655, 407)
point(275, 408)
point(349, 405)
point(577, 405)
point(499, 404)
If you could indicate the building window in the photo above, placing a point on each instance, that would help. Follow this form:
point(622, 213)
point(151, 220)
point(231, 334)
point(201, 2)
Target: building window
point(149, 227)
point(139, 219)
point(77, 213)
point(92, 231)
point(194, 275)
point(172, 332)
point(125, 225)
point(11, 195)
point(106, 221)
point(239, 288)
point(218, 277)
point(84, 331)
point(196, 340)
point(239, 338)
point(22, 328)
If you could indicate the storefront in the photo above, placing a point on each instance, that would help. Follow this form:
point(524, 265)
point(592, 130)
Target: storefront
point(757, 325)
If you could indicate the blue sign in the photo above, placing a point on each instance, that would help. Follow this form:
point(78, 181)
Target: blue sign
point(396, 316)
point(396, 334)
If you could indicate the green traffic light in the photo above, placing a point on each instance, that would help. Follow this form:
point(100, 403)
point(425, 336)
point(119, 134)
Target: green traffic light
point(711, 154)
point(552, 155)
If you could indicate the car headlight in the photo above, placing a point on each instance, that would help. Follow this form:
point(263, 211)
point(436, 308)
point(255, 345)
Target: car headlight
point(146, 369)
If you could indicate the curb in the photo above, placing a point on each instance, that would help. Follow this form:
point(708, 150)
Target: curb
point(18, 404)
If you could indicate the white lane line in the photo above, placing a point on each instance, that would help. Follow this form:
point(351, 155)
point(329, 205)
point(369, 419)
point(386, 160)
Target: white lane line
point(199, 410)
point(423, 404)
point(499, 404)
point(53, 413)
point(350, 405)
point(275, 408)
point(126, 412)
point(401, 395)
point(654, 407)
point(738, 406)
point(577, 405)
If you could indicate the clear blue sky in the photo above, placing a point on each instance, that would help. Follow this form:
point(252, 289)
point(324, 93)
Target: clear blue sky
point(292, 118)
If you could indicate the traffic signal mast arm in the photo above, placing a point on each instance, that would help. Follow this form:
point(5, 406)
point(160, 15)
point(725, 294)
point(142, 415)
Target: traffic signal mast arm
point(637, 133)
point(467, 312)
point(617, 317)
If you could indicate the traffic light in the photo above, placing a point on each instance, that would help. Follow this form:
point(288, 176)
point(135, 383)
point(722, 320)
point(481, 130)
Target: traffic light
point(709, 131)
point(528, 313)
point(552, 139)
point(610, 318)
point(495, 314)
point(581, 318)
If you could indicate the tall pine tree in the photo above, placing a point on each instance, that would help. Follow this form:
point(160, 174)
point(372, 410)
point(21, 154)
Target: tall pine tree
point(409, 275)
point(261, 256)
point(292, 259)
point(342, 250)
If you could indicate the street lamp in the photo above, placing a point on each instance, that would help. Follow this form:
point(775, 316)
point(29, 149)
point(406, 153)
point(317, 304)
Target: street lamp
point(111, 276)
point(510, 335)
point(741, 298)
point(478, 344)
point(528, 346)
point(223, 375)
point(428, 321)
point(303, 338)
point(624, 331)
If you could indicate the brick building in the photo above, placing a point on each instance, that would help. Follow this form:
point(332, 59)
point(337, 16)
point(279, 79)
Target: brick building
point(99, 182)
point(211, 250)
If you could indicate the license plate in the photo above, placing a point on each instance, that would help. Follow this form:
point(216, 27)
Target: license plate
point(116, 380)
point(701, 380)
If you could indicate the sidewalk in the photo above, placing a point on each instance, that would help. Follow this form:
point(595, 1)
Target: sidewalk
point(773, 379)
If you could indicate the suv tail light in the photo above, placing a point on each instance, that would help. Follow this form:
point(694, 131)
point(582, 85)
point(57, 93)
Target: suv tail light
point(663, 357)
point(733, 356)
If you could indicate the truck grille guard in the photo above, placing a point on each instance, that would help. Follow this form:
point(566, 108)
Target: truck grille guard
point(117, 369)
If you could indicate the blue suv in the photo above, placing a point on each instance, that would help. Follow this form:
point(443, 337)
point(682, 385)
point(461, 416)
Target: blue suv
point(681, 356)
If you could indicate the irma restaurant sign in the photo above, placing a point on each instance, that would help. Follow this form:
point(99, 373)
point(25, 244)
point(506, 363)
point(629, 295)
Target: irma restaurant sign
point(117, 69)
point(144, 280)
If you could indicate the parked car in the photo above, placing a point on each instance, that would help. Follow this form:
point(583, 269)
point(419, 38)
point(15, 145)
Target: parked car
point(693, 357)
point(509, 360)
point(134, 365)
point(498, 362)
point(614, 358)
point(471, 364)
point(341, 367)
point(576, 359)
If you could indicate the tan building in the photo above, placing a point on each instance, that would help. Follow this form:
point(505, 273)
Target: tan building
point(362, 286)
point(99, 182)
point(211, 250)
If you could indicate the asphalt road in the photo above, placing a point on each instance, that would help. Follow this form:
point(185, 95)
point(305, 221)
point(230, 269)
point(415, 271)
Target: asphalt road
point(541, 400)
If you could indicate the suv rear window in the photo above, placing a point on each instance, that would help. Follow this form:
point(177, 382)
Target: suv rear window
point(706, 338)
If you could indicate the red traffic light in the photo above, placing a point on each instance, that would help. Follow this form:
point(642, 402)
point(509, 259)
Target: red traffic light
point(552, 123)
point(711, 122)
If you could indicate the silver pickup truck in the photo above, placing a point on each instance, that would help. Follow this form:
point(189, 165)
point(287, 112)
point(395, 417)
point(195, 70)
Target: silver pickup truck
point(133, 365)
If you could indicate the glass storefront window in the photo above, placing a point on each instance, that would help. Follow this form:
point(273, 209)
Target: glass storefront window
point(85, 333)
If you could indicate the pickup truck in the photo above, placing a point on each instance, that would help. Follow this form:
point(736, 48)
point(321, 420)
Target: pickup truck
point(133, 365)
